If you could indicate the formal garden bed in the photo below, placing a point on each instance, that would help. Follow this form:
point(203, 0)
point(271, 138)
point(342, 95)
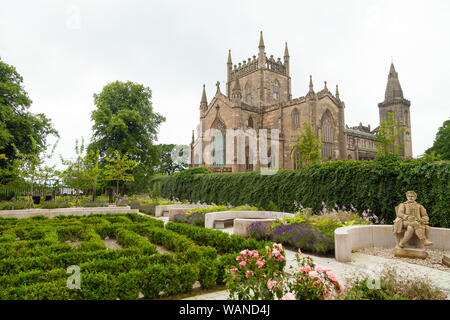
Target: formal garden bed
point(35, 254)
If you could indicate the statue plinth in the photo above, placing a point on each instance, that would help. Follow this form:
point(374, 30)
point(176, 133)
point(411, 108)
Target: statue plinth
point(413, 253)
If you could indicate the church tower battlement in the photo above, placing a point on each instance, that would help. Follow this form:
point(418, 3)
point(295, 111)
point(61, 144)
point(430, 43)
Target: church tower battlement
point(264, 80)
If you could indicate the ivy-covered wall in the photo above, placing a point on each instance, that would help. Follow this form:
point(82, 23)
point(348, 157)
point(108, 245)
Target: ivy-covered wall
point(378, 185)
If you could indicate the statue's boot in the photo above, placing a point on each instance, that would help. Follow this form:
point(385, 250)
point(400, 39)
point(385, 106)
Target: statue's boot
point(400, 244)
point(427, 243)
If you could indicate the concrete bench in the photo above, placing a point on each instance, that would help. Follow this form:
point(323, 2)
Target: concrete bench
point(163, 210)
point(351, 238)
point(213, 216)
point(241, 225)
point(222, 223)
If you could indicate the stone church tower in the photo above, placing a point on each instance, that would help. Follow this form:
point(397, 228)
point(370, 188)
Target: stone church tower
point(258, 96)
point(395, 102)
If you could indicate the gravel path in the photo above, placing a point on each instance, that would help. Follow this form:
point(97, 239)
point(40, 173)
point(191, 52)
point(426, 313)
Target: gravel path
point(434, 259)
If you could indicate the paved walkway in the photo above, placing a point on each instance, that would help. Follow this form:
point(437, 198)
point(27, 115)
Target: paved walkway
point(360, 262)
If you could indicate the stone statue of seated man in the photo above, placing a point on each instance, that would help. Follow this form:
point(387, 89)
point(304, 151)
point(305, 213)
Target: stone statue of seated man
point(412, 219)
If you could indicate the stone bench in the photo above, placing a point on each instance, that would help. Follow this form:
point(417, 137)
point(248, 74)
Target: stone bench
point(211, 217)
point(351, 238)
point(240, 225)
point(221, 223)
point(163, 210)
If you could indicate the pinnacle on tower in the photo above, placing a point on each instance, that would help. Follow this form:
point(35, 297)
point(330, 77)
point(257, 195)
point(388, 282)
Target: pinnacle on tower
point(311, 84)
point(286, 51)
point(237, 92)
point(261, 41)
point(229, 58)
point(325, 86)
point(394, 91)
point(337, 92)
point(203, 102)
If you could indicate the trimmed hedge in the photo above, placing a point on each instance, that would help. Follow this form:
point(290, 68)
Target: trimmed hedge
point(223, 242)
point(378, 185)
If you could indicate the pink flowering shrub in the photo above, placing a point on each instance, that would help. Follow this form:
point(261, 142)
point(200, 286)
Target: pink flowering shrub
point(313, 282)
point(258, 275)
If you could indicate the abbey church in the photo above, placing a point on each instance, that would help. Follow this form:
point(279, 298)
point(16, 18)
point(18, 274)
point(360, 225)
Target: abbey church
point(258, 96)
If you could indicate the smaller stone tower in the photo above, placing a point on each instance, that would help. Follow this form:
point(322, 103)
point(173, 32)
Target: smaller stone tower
point(395, 102)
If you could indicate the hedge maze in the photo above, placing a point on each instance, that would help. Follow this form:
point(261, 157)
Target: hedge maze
point(35, 255)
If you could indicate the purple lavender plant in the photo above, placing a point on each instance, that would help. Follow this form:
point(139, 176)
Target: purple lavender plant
point(257, 231)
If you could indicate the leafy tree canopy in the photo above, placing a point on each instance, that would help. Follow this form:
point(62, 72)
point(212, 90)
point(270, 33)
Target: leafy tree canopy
point(441, 145)
point(308, 147)
point(17, 123)
point(170, 160)
point(124, 120)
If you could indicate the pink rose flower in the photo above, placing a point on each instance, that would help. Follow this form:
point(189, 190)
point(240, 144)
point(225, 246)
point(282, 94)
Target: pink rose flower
point(239, 258)
point(248, 273)
point(288, 296)
point(242, 263)
point(280, 258)
point(260, 263)
point(233, 270)
point(313, 274)
point(270, 284)
point(307, 269)
point(255, 254)
point(319, 268)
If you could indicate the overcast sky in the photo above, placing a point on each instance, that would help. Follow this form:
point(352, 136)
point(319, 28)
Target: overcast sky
point(68, 50)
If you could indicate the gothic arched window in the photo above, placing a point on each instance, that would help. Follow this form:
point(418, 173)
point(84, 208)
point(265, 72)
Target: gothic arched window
point(296, 119)
point(219, 144)
point(327, 136)
point(250, 122)
point(248, 93)
point(276, 90)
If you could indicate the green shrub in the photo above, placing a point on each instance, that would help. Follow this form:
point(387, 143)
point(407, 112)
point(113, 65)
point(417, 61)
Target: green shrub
point(187, 276)
point(154, 280)
point(128, 238)
point(193, 171)
point(130, 285)
point(53, 205)
point(97, 286)
point(225, 262)
point(378, 185)
point(207, 273)
point(13, 205)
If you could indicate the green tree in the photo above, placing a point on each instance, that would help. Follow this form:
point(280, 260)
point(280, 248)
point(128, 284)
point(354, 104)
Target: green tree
point(387, 136)
point(92, 171)
point(119, 169)
point(441, 145)
point(167, 164)
point(308, 147)
point(74, 173)
point(17, 123)
point(124, 120)
point(29, 165)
